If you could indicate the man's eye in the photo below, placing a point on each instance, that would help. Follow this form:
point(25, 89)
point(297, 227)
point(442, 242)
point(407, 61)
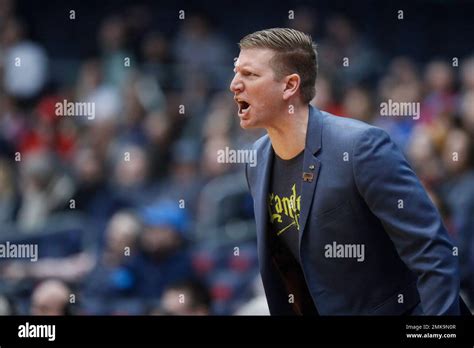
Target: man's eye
point(248, 73)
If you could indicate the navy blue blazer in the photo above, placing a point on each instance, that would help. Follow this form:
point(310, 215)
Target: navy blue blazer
point(359, 190)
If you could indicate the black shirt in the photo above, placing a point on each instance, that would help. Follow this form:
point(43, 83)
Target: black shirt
point(284, 201)
point(284, 206)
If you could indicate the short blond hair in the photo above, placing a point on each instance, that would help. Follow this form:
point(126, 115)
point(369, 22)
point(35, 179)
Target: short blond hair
point(295, 52)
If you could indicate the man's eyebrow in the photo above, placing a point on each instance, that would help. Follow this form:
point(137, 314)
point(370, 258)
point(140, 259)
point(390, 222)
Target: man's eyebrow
point(243, 66)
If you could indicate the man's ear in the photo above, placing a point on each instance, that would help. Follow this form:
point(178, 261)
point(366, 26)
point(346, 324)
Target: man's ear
point(292, 83)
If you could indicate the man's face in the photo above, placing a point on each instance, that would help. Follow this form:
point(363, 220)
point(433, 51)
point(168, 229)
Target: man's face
point(257, 94)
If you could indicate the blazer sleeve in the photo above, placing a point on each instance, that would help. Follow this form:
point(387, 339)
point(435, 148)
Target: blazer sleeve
point(394, 194)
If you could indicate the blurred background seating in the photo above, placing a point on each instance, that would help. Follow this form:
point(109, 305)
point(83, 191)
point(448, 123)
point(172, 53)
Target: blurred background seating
point(131, 209)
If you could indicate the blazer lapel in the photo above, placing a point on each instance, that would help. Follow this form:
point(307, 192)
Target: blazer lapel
point(263, 182)
point(311, 166)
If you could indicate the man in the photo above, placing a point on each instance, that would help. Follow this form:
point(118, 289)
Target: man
point(187, 297)
point(51, 297)
point(343, 225)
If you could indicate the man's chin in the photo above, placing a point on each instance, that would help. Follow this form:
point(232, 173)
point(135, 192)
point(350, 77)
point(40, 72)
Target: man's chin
point(246, 124)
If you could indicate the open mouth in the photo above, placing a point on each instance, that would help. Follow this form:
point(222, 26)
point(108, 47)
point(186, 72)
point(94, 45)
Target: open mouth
point(244, 107)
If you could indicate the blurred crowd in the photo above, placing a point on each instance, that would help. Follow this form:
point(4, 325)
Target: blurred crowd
point(131, 210)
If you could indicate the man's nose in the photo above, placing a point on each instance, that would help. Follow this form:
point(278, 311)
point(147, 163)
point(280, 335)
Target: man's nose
point(236, 84)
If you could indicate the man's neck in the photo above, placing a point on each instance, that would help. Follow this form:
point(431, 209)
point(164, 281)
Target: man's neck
point(288, 137)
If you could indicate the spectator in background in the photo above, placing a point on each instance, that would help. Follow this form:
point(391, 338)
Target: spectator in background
point(458, 193)
point(24, 63)
point(45, 188)
point(198, 48)
point(157, 59)
point(196, 92)
point(424, 158)
point(325, 97)
point(220, 118)
point(112, 43)
point(113, 277)
point(92, 87)
point(440, 99)
point(400, 84)
point(164, 258)
point(357, 102)
point(439, 103)
point(138, 19)
point(131, 176)
point(342, 40)
point(46, 131)
point(210, 168)
point(185, 298)
point(12, 124)
point(184, 181)
point(93, 195)
point(51, 297)
point(306, 19)
point(157, 127)
point(141, 95)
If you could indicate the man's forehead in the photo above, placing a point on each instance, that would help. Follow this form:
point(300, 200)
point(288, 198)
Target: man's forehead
point(253, 57)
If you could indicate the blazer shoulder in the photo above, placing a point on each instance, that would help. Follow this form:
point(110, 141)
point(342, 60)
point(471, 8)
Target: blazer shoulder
point(348, 128)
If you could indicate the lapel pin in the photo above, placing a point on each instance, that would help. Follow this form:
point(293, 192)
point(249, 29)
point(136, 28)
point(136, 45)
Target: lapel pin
point(311, 167)
point(307, 177)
